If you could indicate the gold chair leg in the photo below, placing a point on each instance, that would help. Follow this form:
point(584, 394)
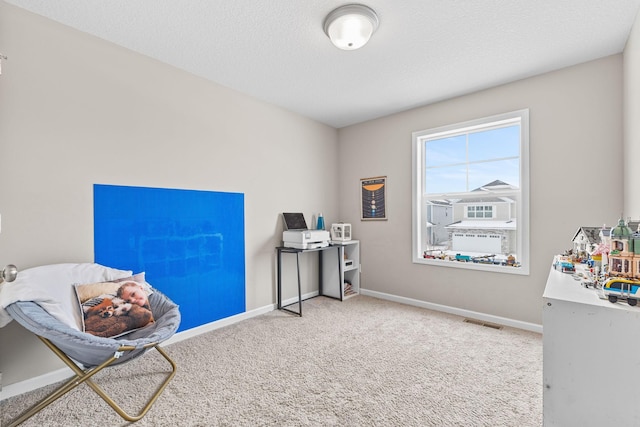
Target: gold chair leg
point(151, 401)
point(82, 376)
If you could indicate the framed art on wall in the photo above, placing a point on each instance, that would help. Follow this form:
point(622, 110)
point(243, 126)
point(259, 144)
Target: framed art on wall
point(373, 196)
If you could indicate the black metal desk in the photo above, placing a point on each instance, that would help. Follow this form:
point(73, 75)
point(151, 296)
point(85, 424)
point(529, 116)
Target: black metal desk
point(281, 250)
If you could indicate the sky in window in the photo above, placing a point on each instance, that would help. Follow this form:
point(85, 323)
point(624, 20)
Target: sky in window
point(453, 165)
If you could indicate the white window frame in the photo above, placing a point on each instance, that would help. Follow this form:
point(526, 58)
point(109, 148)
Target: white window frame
point(522, 215)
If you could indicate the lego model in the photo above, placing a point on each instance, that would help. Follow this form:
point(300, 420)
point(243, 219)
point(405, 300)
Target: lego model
point(621, 288)
point(564, 264)
point(624, 255)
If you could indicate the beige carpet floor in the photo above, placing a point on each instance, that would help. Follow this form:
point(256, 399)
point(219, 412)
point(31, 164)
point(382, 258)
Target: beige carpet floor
point(361, 362)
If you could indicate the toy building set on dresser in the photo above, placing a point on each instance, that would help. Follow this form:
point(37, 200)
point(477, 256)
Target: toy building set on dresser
point(606, 259)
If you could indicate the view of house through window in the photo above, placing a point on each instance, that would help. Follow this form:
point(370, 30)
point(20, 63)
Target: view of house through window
point(471, 194)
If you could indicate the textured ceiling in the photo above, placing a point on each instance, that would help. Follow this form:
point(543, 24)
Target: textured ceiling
point(424, 50)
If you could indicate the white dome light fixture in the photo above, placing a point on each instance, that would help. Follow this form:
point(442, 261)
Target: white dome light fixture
point(350, 26)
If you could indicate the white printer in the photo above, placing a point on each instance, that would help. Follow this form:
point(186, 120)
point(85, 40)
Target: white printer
point(298, 236)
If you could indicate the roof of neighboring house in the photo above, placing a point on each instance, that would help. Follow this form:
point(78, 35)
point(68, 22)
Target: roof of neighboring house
point(487, 200)
point(496, 183)
point(484, 225)
point(439, 202)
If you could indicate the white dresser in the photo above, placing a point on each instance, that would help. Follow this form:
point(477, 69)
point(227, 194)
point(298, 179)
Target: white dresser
point(591, 357)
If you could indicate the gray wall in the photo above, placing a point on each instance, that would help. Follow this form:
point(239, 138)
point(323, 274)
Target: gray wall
point(575, 121)
point(75, 110)
point(632, 123)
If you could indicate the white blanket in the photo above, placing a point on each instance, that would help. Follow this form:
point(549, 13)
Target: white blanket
point(51, 287)
point(4, 316)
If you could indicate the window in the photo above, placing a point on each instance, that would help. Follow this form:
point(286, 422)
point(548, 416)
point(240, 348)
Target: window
point(479, 211)
point(471, 194)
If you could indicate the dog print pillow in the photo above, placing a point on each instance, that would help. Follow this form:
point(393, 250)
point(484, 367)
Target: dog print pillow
point(112, 309)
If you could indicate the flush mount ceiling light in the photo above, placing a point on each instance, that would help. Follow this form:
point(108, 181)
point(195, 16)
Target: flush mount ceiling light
point(350, 26)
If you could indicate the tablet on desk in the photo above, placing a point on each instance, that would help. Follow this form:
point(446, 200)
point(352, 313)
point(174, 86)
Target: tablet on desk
point(294, 221)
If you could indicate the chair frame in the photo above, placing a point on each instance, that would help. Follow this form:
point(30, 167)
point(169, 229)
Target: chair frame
point(84, 376)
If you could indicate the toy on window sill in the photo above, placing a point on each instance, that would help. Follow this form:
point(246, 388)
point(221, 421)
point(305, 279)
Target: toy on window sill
point(485, 259)
point(433, 254)
point(463, 258)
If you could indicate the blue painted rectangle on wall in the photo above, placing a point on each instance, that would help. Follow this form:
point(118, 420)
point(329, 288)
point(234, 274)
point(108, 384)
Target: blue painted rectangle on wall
point(189, 243)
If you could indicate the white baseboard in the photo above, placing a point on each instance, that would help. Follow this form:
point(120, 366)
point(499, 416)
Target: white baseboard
point(294, 300)
point(64, 373)
point(231, 320)
point(35, 383)
point(457, 311)
point(198, 330)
